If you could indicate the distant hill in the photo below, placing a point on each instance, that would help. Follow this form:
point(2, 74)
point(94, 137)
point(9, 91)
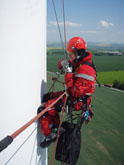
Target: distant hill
point(107, 46)
point(93, 45)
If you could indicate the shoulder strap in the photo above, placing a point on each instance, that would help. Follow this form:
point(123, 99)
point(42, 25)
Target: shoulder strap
point(94, 67)
point(90, 64)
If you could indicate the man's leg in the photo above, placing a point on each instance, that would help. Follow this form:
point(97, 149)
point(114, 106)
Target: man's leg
point(49, 127)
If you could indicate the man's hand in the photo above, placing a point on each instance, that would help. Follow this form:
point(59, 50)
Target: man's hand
point(65, 66)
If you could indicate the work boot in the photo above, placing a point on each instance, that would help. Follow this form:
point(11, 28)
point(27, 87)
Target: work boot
point(40, 108)
point(51, 138)
point(48, 140)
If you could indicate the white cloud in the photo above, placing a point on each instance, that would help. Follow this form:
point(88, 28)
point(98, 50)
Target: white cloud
point(73, 24)
point(89, 31)
point(106, 24)
point(68, 23)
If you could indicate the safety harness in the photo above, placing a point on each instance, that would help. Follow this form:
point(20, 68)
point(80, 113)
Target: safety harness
point(69, 143)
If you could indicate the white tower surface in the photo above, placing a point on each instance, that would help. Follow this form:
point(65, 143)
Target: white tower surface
point(22, 78)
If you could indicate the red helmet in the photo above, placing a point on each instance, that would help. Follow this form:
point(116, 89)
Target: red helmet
point(76, 43)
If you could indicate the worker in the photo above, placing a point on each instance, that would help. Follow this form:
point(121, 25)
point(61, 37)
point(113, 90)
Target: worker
point(80, 76)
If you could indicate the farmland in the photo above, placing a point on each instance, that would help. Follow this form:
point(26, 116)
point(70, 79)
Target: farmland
point(109, 77)
point(106, 65)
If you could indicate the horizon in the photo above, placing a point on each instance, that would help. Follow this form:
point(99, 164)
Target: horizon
point(104, 42)
point(121, 43)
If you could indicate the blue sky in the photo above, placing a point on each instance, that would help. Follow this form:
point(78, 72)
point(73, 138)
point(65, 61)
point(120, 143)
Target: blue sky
point(94, 20)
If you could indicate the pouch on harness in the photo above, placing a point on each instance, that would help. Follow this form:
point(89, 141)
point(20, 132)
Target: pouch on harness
point(69, 144)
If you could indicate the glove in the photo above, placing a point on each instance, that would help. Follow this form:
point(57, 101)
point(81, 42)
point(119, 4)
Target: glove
point(40, 108)
point(59, 64)
point(66, 66)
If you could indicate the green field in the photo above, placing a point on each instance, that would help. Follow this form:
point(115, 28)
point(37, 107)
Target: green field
point(109, 63)
point(109, 77)
point(105, 65)
point(103, 137)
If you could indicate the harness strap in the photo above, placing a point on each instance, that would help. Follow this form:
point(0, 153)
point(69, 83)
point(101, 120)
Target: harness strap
point(90, 64)
point(94, 67)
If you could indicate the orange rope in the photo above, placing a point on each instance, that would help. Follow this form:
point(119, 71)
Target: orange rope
point(59, 128)
point(55, 79)
point(20, 130)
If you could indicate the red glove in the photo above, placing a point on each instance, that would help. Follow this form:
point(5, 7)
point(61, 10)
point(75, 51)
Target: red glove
point(59, 64)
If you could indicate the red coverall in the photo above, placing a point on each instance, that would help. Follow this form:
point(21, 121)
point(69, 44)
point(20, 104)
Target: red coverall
point(79, 83)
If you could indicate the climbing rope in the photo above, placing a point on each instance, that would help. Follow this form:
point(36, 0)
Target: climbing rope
point(21, 146)
point(54, 7)
point(63, 110)
point(33, 150)
point(55, 79)
point(9, 139)
point(64, 27)
point(63, 47)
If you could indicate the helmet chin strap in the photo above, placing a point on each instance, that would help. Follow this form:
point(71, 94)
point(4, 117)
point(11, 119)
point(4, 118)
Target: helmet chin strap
point(80, 55)
point(77, 55)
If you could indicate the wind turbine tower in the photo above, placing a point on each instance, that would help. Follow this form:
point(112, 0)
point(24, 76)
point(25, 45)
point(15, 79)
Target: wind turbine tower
point(22, 78)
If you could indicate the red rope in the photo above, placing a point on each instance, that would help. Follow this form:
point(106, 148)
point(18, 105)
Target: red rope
point(20, 130)
point(55, 79)
point(63, 110)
